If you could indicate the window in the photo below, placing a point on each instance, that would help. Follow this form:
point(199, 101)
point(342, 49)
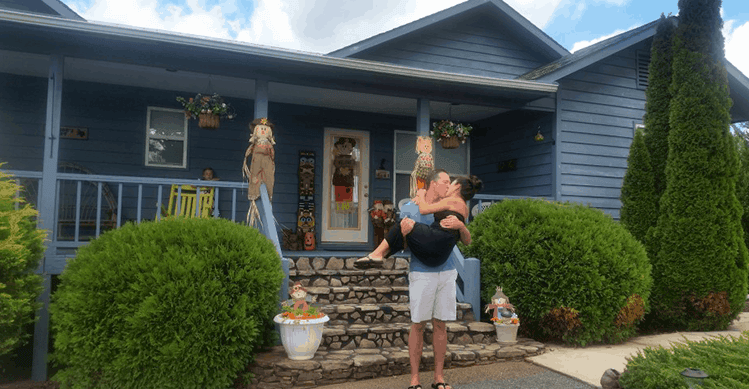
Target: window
point(166, 138)
point(455, 161)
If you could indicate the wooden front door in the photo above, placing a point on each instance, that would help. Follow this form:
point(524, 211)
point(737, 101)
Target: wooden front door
point(345, 186)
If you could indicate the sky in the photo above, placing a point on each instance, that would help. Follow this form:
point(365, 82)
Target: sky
point(322, 26)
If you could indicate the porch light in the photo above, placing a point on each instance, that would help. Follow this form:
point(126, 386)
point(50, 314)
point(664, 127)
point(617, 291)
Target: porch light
point(694, 377)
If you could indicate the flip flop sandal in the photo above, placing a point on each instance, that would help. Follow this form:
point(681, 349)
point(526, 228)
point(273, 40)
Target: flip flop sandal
point(415, 387)
point(440, 384)
point(367, 262)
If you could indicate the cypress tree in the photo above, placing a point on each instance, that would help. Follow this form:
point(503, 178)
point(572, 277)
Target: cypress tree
point(700, 270)
point(658, 100)
point(638, 192)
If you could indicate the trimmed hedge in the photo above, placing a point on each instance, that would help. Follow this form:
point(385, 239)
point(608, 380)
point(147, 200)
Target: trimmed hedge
point(21, 249)
point(724, 359)
point(572, 272)
point(180, 303)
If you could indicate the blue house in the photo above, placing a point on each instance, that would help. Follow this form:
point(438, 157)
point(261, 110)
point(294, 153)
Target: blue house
point(90, 124)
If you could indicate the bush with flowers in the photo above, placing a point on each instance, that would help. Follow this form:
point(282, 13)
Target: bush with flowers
point(446, 129)
point(207, 104)
point(514, 320)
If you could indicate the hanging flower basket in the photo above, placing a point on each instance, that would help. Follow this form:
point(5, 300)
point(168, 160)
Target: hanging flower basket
point(451, 135)
point(209, 110)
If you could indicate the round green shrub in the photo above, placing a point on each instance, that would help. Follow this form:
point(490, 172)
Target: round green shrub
point(572, 272)
point(180, 303)
point(21, 249)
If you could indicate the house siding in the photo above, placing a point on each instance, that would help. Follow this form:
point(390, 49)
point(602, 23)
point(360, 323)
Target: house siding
point(510, 136)
point(115, 117)
point(598, 110)
point(478, 46)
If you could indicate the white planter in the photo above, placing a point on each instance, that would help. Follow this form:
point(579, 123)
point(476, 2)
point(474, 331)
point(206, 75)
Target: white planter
point(301, 338)
point(507, 333)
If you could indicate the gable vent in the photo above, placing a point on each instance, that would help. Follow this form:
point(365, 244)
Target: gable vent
point(642, 66)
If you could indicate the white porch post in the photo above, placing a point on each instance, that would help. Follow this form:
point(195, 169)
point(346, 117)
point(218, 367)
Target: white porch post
point(261, 98)
point(47, 209)
point(422, 117)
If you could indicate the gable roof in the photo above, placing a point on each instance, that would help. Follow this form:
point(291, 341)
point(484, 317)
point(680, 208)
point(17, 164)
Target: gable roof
point(43, 7)
point(582, 58)
point(517, 22)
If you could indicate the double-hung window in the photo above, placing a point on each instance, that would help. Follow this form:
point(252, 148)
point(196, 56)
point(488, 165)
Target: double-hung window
point(166, 138)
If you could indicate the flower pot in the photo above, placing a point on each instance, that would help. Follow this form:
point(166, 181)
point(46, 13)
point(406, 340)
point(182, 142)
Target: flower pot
point(507, 333)
point(451, 142)
point(301, 338)
point(209, 121)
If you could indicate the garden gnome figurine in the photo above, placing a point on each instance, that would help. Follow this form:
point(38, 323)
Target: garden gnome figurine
point(423, 166)
point(262, 167)
point(500, 304)
point(299, 297)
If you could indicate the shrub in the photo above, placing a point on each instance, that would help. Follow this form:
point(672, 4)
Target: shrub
point(639, 200)
point(21, 249)
point(180, 303)
point(701, 248)
point(724, 359)
point(572, 272)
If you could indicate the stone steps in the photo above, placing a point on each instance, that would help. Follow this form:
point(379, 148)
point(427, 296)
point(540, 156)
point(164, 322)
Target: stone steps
point(345, 314)
point(349, 337)
point(335, 278)
point(359, 294)
point(274, 370)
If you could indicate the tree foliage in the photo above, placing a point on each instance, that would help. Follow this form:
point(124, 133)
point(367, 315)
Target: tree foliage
point(639, 200)
point(21, 249)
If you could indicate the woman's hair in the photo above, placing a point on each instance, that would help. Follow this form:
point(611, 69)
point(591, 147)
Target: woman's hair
point(469, 186)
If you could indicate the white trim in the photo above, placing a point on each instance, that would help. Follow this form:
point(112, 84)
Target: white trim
point(167, 137)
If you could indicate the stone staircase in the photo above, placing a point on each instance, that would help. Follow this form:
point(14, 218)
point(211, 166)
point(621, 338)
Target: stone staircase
point(367, 334)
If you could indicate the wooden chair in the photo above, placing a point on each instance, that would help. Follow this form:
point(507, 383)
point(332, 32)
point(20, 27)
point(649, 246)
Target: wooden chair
point(188, 201)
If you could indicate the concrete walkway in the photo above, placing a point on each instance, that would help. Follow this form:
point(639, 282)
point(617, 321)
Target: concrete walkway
point(561, 367)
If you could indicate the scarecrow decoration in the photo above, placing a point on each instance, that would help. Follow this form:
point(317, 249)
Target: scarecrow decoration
point(262, 167)
point(424, 164)
point(299, 297)
point(344, 171)
point(501, 305)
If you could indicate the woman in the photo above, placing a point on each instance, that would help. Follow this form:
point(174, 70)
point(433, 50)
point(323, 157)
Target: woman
point(432, 244)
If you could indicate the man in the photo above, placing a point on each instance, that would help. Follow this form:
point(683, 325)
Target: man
point(431, 290)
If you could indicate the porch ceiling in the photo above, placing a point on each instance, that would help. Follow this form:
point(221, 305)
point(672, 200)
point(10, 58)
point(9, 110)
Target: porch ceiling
point(119, 55)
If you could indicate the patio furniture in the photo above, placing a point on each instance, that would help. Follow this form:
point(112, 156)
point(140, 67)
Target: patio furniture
point(183, 201)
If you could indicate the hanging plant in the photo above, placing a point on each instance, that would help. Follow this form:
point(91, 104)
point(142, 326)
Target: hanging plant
point(450, 134)
point(208, 109)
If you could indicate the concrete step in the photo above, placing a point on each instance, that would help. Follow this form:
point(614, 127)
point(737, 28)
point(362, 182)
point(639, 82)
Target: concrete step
point(359, 294)
point(305, 263)
point(354, 336)
point(345, 314)
point(273, 369)
point(335, 278)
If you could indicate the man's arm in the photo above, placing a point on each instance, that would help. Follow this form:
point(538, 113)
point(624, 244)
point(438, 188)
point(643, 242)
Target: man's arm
point(453, 223)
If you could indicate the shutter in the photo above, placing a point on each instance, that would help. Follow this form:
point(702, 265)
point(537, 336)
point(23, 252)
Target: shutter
point(643, 69)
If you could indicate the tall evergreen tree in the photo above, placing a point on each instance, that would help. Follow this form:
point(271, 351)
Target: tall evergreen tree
point(638, 191)
point(658, 100)
point(700, 270)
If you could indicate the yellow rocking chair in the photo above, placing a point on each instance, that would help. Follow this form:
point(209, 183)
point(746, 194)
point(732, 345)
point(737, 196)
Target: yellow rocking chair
point(188, 201)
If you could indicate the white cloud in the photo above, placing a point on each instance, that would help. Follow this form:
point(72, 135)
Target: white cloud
point(583, 44)
point(736, 39)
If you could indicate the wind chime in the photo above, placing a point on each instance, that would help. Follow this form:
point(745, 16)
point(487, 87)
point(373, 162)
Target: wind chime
point(262, 167)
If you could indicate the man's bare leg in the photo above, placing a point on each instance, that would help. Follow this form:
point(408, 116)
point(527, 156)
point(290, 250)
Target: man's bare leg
point(439, 341)
point(415, 344)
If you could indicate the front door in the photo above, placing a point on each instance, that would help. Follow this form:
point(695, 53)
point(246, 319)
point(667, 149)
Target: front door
point(345, 186)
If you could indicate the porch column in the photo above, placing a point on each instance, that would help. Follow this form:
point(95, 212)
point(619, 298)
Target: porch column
point(261, 98)
point(47, 209)
point(422, 117)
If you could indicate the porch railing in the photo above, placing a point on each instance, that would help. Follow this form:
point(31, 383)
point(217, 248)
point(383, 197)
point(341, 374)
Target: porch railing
point(134, 199)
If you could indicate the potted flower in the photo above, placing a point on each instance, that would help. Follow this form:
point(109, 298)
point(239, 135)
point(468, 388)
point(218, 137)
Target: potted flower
point(301, 326)
point(208, 109)
point(505, 319)
point(450, 134)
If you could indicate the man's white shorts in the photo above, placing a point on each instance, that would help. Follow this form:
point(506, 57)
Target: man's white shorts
point(432, 295)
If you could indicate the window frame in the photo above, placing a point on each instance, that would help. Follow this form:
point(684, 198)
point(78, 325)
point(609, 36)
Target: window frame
point(167, 137)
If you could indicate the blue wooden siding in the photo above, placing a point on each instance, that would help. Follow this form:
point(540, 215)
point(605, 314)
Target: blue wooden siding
point(27, 6)
point(510, 136)
point(477, 46)
point(599, 107)
point(116, 120)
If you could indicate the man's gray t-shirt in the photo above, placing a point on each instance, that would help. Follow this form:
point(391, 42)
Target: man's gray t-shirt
point(411, 211)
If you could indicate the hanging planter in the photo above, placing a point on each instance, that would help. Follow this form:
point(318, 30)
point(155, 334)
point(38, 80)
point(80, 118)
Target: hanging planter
point(451, 135)
point(209, 110)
